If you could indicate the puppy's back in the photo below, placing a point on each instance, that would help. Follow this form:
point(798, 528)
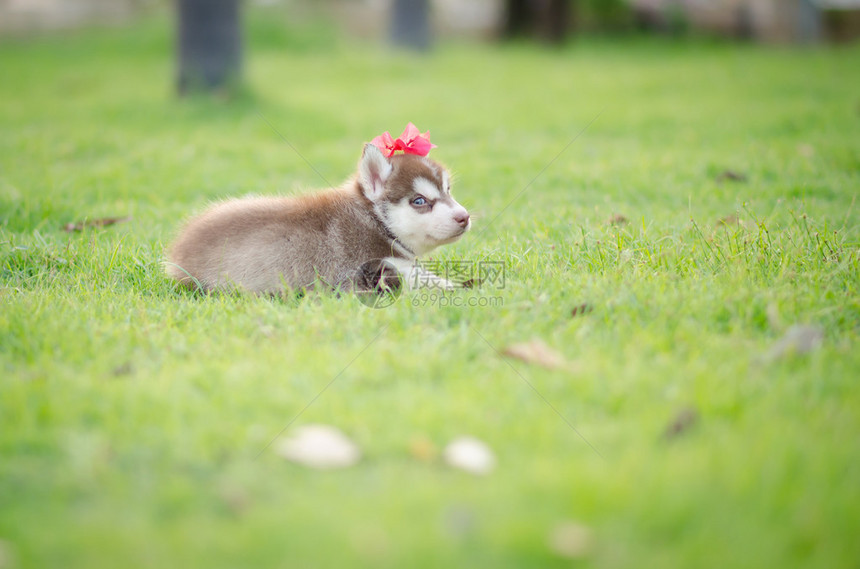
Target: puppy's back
point(256, 244)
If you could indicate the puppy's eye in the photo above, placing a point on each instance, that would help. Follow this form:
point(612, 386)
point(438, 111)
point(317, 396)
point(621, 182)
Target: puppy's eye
point(420, 200)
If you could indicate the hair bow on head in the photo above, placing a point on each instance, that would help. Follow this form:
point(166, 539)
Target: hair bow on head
point(410, 142)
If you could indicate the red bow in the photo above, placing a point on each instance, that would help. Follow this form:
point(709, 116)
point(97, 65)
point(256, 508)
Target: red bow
point(410, 142)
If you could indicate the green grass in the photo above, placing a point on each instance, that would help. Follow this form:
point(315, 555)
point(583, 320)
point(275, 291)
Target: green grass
point(132, 414)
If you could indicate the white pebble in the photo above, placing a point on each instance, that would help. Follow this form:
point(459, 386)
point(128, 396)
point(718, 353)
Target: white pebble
point(470, 454)
point(320, 446)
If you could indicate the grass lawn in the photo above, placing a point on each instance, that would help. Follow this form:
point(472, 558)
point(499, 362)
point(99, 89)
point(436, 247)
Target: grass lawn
point(135, 417)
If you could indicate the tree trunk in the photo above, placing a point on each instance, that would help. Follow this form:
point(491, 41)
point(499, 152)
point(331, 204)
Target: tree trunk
point(808, 22)
point(550, 20)
point(210, 45)
point(556, 21)
point(410, 24)
point(518, 18)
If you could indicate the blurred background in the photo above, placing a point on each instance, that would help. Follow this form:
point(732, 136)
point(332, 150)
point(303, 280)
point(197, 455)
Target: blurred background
point(209, 37)
point(777, 21)
point(760, 20)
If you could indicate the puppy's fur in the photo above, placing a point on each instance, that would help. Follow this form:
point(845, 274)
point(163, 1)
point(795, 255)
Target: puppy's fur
point(394, 210)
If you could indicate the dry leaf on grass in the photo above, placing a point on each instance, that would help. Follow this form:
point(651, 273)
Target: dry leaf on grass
point(538, 353)
point(7, 555)
point(103, 222)
point(571, 540)
point(617, 219)
point(235, 498)
point(123, 369)
point(731, 219)
point(371, 542)
point(732, 176)
point(423, 449)
point(684, 420)
point(581, 310)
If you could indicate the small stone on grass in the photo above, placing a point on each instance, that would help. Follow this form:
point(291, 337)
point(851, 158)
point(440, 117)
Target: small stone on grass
point(458, 521)
point(321, 447)
point(798, 340)
point(471, 455)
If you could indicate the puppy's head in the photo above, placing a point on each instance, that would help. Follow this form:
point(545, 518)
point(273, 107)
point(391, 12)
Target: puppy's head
point(412, 196)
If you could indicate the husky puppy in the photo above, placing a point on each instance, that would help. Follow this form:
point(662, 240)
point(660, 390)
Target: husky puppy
point(392, 211)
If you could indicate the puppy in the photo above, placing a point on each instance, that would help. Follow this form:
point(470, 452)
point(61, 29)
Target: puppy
point(393, 210)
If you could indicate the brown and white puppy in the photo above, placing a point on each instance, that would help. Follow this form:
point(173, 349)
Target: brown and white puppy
point(395, 209)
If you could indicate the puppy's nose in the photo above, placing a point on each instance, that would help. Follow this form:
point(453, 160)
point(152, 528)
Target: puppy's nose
point(462, 218)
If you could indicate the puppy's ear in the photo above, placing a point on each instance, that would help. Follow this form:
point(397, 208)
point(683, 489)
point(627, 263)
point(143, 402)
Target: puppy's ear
point(373, 170)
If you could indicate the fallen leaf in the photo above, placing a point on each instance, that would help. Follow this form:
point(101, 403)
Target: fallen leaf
point(581, 310)
point(122, 369)
point(571, 540)
point(471, 455)
point(235, 498)
point(729, 220)
point(370, 541)
point(320, 446)
point(7, 555)
point(732, 176)
point(536, 352)
point(684, 420)
point(617, 219)
point(799, 339)
point(103, 222)
point(423, 449)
